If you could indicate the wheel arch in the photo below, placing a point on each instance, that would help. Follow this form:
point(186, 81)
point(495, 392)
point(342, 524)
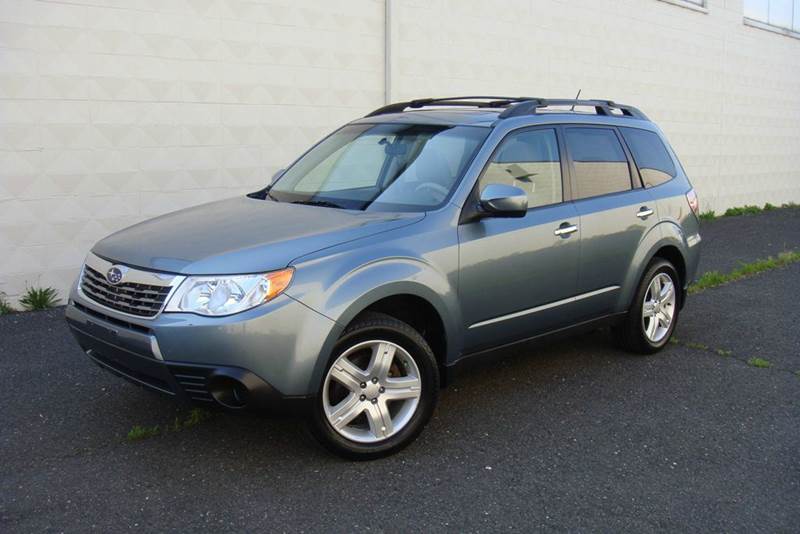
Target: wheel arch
point(672, 254)
point(418, 313)
point(410, 291)
point(665, 241)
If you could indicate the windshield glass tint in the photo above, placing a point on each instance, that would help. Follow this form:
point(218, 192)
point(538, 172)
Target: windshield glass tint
point(382, 167)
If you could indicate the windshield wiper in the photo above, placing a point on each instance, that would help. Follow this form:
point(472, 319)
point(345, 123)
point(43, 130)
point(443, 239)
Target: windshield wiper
point(323, 203)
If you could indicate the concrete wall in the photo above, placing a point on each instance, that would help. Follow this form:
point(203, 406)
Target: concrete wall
point(118, 110)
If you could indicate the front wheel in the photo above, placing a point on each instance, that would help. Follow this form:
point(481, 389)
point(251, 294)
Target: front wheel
point(654, 312)
point(378, 391)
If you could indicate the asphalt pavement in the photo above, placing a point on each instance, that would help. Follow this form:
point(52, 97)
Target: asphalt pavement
point(572, 436)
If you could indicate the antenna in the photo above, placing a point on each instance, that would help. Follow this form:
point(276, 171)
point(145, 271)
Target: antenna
point(576, 98)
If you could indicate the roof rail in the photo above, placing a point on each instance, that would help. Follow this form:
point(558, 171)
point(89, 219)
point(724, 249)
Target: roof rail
point(462, 101)
point(515, 106)
point(602, 107)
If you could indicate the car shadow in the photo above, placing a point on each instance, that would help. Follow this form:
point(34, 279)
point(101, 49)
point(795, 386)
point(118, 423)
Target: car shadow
point(519, 378)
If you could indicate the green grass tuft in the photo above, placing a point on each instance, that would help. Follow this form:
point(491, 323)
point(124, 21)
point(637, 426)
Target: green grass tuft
point(742, 210)
point(715, 278)
point(709, 215)
point(698, 346)
point(143, 432)
point(5, 307)
point(723, 352)
point(195, 417)
point(759, 362)
point(39, 298)
point(707, 280)
point(745, 210)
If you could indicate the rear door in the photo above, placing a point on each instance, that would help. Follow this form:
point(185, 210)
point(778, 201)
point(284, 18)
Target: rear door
point(615, 213)
point(517, 274)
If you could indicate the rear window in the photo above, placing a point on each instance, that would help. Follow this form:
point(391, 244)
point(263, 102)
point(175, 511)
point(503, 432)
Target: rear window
point(599, 161)
point(651, 156)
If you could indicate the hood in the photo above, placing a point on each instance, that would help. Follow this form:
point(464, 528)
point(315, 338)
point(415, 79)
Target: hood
point(241, 235)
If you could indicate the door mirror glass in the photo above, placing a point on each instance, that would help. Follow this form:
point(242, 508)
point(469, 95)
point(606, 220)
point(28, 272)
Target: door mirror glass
point(499, 200)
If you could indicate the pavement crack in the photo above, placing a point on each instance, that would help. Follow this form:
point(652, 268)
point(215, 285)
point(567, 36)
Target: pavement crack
point(729, 354)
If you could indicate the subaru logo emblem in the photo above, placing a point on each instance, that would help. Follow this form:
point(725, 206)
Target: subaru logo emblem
point(114, 275)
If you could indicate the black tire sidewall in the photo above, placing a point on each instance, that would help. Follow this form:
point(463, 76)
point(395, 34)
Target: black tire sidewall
point(396, 332)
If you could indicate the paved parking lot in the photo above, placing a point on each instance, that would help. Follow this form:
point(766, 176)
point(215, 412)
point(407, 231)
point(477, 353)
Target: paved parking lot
point(573, 436)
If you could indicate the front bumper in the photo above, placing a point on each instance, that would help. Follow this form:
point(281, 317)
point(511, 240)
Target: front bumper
point(263, 359)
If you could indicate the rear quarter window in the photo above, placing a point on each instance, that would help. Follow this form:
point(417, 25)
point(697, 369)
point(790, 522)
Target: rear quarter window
point(651, 156)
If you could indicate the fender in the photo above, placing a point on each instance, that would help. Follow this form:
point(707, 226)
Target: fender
point(395, 276)
point(665, 233)
point(354, 291)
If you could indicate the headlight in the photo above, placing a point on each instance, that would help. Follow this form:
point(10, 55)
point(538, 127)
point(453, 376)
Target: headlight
point(226, 295)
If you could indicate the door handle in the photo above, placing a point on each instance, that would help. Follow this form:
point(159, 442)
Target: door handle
point(565, 229)
point(644, 212)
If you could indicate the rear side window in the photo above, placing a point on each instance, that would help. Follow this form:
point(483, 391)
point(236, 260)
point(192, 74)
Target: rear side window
point(528, 160)
point(599, 161)
point(651, 156)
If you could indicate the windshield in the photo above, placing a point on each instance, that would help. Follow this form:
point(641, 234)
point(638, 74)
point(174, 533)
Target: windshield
point(381, 167)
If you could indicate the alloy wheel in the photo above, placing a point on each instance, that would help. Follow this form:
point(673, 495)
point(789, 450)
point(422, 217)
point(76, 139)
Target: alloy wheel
point(371, 391)
point(658, 307)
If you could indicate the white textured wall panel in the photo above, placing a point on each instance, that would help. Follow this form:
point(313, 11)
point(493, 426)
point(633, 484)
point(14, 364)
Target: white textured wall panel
point(116, 111)
point(112, 111)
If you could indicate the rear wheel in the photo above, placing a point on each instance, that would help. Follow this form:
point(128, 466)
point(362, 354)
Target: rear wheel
point(379, 390)
point(654, 313)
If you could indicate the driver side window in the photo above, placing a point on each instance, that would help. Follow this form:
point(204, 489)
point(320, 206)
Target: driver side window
point(528, 160)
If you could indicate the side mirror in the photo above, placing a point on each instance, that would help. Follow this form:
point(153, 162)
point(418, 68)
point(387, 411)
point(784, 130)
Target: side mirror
point(276, 176)
point(498, 200)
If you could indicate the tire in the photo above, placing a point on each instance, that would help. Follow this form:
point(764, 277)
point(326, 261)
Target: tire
point(358, 383)
point(637, 333)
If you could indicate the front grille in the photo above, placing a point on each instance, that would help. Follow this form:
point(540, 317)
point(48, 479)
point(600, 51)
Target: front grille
point(142, 300)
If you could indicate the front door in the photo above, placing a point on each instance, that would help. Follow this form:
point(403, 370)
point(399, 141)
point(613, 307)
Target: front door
point(517, 275)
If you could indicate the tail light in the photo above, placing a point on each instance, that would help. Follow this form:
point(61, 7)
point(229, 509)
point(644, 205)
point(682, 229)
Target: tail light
point(694, 202)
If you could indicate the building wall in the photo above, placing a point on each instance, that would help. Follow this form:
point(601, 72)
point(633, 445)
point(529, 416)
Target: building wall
point(113, 111)
point(727, 95)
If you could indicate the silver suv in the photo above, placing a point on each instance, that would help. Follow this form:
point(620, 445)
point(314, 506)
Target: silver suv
point(400, 246)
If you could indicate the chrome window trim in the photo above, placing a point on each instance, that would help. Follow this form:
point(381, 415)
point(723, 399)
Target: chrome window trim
point(543, 307)
point(133, 275)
